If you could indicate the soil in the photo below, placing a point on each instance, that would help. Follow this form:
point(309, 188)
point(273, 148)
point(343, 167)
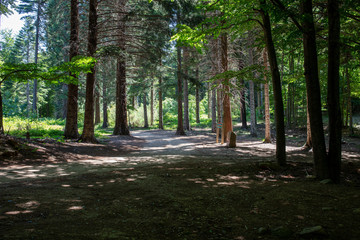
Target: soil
point(155, 185)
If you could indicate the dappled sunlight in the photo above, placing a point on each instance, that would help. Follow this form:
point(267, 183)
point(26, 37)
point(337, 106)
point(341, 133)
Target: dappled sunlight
point(75, 208)
point(18, 212)
point(223, 181)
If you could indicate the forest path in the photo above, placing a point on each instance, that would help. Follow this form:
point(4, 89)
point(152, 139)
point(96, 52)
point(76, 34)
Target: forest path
point(143, 148)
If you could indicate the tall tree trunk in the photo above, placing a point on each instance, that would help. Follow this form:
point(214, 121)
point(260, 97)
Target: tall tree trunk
point(71, 126)
point(213, 110)
point(180, 127)
point(88, 131)
point(333, 97)
point(308, 144)
point(186, 89)
point(37, 26)
point(279, 106)
point(1, 114)
point(242, 97)
point(152, 103)
point(97, 107)
point(313, 91)
point(227, 124)
point(197, 97)
point(209, 100)
point(146, 122)
point(121, 118)
point(267, 103)
point(252, 98)
point(161, 124)
point(121, 121)
point(290, 103)
point(105, 104)
point(349, 107)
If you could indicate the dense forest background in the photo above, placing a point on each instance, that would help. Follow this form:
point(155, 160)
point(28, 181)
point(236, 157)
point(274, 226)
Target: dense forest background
point(184, 64)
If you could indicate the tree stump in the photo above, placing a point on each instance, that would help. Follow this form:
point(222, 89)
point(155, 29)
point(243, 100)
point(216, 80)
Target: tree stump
point(232, 140)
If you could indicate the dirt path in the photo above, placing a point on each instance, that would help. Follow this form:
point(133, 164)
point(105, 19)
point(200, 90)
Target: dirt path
point(155, 185)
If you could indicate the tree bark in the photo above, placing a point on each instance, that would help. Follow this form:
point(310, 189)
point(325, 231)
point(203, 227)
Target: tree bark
point(121, 120)
point(97, 107)
point(349, 107)
point(1, 114)
point(71, 126)
point(209, 100)
point(313, 91)
point(227, 121)
point(308, 145)
point(146, 122)
point(88, 131)
point(267, 103)
point(252, 99)
point(333, 96)
point(161, 124)
point(186, 89)
point(180, 127)
point(279, 106)
point(105, 104)
point(242, 97)
point(197, 97)
point(152, 104)
point(37, 26)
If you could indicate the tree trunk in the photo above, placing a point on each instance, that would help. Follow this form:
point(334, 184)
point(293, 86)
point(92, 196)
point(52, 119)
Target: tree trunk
point(279, 106)
point(213, 111)
point(227, 121)
point(242, 97)
point(1, 114)
point(186, 89)
point(88, 131)
point(349, 107)
point(71, 126)
point(308, 145)
point(146, 123)
point(313, 92)
point(197, 97)
point(161, 124)
point(209, 100)
point(37, 26)
point(97, 107)
point(252, 100)
point(105, 105)
point(121, 121)
point(180, 127)
point(333, 96)
point(152, 104)
point(267, 102)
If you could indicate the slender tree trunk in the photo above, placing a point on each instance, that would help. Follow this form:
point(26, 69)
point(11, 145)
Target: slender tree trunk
point(180, 127)
point(333, 97)
point(213, 111)
point(349, 107)
point(1, 114)
point(252, 99)
point(146, 122)
point(71, 126)
point(209, 100)
point(227, 124)
point(105, 105)
point(197, 98)
point(88, 131)
point(279, 106)
point(97, 107)
point(186, 89)
point(308, 145)
point(313, 92)
point(152, 103)
point(242, 97)
point(37, 26)
point(161, 124)
point(267, 103)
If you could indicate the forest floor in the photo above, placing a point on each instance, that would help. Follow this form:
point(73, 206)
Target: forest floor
point(155, 185)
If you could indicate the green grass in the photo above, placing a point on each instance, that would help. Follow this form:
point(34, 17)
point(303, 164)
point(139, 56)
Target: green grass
point(44, 128)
